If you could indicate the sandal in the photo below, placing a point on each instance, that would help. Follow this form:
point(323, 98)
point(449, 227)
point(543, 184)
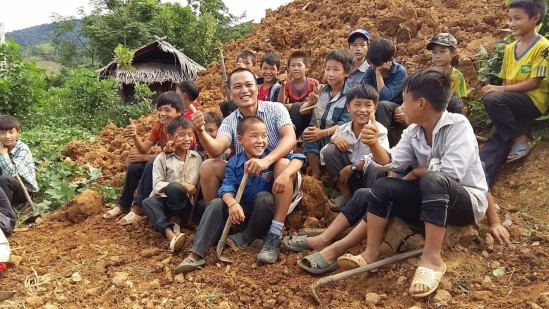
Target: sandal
point(296, 243)
point(177, 243)
point(518, 151)
point(316, 264)
point(130, 218)
point(189, 265)
point(337, 203)
point(428, 277)
point(349, 261)
point(114, 212)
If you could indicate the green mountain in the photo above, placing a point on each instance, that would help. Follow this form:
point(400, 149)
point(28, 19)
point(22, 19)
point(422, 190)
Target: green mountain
point(38, 34)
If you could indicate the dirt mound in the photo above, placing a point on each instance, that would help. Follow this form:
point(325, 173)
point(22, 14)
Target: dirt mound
point(318, 27)
point(80, 208)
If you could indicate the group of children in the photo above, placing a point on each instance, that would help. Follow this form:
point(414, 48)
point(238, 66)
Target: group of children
point(344, 125)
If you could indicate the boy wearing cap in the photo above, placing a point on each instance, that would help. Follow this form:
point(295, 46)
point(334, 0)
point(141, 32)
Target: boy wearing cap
point(358, 41)
point(443, 47)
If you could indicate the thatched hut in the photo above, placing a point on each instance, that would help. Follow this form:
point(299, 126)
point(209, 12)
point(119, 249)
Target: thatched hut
point(157, 64)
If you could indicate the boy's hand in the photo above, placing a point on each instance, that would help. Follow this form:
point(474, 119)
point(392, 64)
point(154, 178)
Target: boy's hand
point(283, 78)
point(169, 147)
point(345, 174)
point(491, 88)
point(3, 149)
point(131, 129)
point(280, 183)
point(341, 143)
point(256, 166)
point(313, 96)
point(384, 68)
point(135, 156)
point(415, 174)
point(312, 134)
point(369, 134)
point(197, 119)
point(191, 190)
point(399, 116)
point(500, 233)
point(236, 213)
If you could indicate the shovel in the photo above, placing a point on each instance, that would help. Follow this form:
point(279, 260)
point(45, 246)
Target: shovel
point(223, 239)
point(35, 213)
point(362, 269)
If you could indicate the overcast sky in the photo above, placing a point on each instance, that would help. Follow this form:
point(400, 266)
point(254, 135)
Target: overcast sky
point(20, 14)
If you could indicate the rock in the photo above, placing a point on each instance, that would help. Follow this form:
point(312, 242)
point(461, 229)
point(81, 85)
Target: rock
point(34, 301)
point(269, 303)
point(485, 254)
point(294, 220)
point(314, 200)
point(76, 277)
point(413, 243)
point(544, 298)
point(15, 260)
point(92, 291)
point(533, 305)
point(155, 284)
point(397, 230)
point(120, 278)
point(487, 283)
point(495, 264)
point(442, 297)
point(401, 280)
point(180, 278)
point(312, 222)
point(224, 305)
point(460, 235)
point(50, 306)
point(372, 298)
point(81, 207)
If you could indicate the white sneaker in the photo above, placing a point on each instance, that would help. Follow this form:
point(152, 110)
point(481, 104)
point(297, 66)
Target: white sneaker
point(177, 243)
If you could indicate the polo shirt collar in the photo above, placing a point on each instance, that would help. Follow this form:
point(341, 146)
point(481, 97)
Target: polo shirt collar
point(445, 120)
point(260, 109)
point(243, 158)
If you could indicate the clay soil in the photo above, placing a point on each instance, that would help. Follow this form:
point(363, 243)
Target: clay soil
point(77, 259)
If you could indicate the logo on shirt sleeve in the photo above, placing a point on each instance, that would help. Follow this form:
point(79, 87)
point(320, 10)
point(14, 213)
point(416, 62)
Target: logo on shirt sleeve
point(525, 68)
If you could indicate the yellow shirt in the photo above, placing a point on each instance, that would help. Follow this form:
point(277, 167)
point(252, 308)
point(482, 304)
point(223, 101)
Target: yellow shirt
point(458, 83)
point(532, 63)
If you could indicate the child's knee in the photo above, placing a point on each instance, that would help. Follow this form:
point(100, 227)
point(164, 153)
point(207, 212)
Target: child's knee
point(174, 187)
point(331, 151)
point(433, 182)
point(264, 199)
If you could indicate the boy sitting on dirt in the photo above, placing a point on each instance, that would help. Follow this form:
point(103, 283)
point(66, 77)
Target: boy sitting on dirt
point(447, 187)
point(327, 106)
point(168, 106)
point(524, 95)
point(175, 177)
point(269, 88)
point(358, 41)
point(443, 49)
point(254, 212)
point(295, 91)
point(386, 75)
point(342, 156)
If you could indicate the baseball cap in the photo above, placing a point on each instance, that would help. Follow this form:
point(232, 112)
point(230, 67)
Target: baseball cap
point(444, 39)
point(356, 33)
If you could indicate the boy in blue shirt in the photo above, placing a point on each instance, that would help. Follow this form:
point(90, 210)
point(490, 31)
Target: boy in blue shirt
point(386, 76)
point(255, 210)
point(358, 41)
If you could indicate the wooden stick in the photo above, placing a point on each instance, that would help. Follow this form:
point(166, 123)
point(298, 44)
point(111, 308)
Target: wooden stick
point(25, 192)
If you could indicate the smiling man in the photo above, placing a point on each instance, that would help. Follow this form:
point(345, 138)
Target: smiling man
point(282, 139)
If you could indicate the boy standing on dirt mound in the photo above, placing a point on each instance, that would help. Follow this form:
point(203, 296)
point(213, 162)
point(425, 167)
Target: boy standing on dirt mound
point(255, 210)
point(524, 95)
point(168, 106)
point(447, 188)
point(282, 140)
point(175, 178)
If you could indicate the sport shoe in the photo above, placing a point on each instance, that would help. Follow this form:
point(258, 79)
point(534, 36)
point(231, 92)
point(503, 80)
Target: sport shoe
point(270, 251)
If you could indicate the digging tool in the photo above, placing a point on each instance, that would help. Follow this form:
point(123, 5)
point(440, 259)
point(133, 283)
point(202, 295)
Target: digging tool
point(362, 269)
point(35, 214)
point(5, 295)
point(223, 239)
point(223, 71)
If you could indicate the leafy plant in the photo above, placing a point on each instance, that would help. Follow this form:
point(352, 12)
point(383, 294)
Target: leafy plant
point(124, 57)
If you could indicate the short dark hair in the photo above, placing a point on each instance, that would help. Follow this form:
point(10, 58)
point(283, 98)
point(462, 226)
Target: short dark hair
point(170, 98)
point(246, 54)
point(238, 70)
point(213, 117)
point(380, 51)
point(364, 91)
point(8, 122)
point(532, 8)
point(178, 122)
point(245, 123)
point(190, 88)
point(299, 54)
point(432, 84)
point(342, 56)
point(270, 59)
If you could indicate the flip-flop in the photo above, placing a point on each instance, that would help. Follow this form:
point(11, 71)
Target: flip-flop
point(349, 261)
point(189, 265)
point(428, 277)
point(130, 218)
point(337, 203)
point(518, 151)
point(113, 213)
point(178, 242)
point(296, 243)
point(316, 264)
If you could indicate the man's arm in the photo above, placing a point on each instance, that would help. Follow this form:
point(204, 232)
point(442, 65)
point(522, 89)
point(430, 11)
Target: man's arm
point(286, 144)
point(214, 146)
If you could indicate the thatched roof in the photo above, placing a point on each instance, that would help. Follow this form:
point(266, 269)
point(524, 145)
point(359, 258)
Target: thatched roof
point(156, 62)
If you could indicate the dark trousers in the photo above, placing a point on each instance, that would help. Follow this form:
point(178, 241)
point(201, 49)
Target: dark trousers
point(138, 177)
point(8, 217)
point(435, 198)
point(258, 220)
point(356, 207)
point(301, 122)
point(160, 209)
point(336, 160)
point(506, 110)
point(12, 189)
point(384, 113)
